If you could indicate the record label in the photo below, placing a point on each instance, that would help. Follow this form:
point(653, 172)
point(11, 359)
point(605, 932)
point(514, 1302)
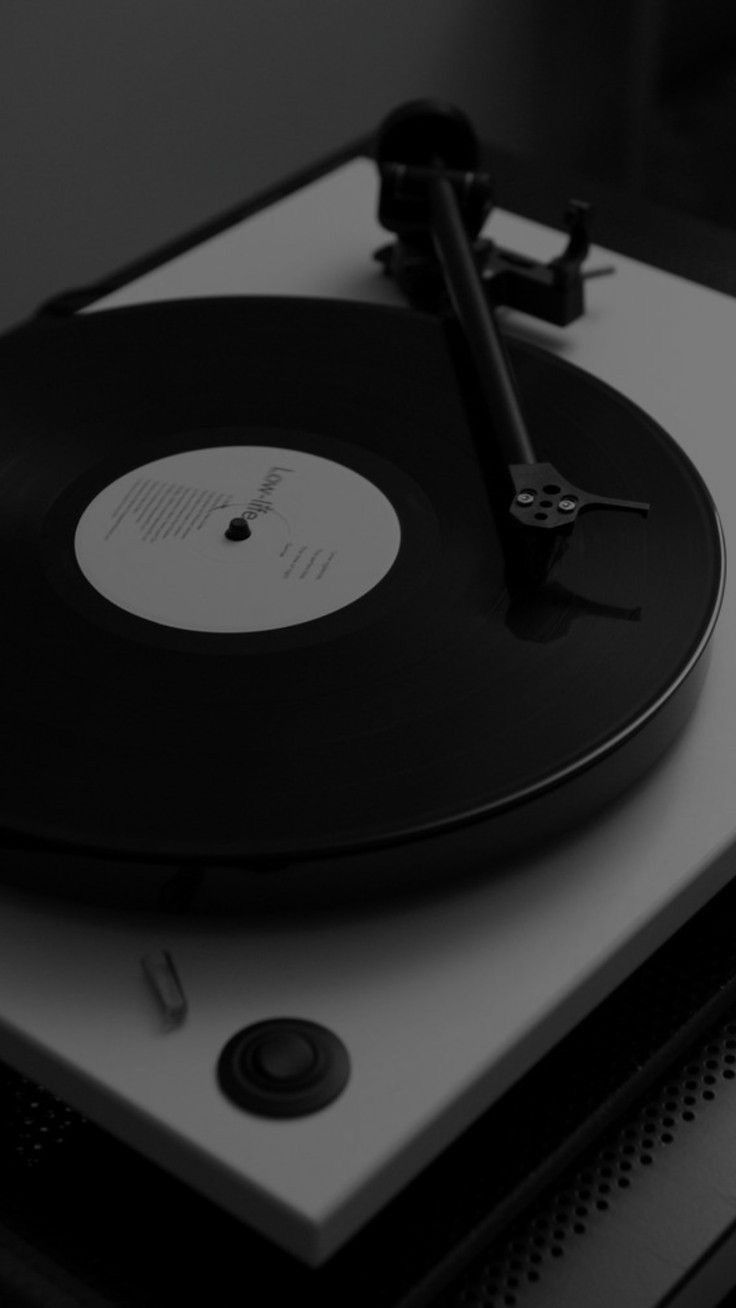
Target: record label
point(237, 538)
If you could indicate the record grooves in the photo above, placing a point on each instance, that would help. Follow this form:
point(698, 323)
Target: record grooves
point(428, 708)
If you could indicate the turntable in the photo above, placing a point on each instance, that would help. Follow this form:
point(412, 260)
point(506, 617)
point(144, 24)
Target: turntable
point(369, 722)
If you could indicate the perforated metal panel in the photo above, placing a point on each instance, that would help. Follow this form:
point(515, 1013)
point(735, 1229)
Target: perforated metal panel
point(523, 1269)
point(34, 1122)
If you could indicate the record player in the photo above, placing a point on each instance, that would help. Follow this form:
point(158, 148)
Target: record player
point(369, 726)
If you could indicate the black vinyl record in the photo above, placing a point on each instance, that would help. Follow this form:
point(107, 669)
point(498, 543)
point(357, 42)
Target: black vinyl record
point(431, 695)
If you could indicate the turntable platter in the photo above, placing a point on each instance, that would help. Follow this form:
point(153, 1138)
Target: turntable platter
point(258, 607)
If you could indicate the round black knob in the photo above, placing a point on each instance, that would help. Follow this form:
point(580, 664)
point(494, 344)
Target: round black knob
point(283, 1067)
point(284, 1058)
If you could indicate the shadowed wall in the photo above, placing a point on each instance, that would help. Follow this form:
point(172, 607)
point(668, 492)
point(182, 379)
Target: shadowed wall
point(125, 124)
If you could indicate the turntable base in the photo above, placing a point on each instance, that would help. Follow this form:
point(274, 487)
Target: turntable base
point(441, 1001)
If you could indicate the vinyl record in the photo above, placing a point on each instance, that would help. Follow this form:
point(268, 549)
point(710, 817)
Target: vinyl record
point(259, 606)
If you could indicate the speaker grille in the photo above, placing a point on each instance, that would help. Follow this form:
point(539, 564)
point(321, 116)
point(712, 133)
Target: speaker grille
point(509, 1272)
point(33, 1122)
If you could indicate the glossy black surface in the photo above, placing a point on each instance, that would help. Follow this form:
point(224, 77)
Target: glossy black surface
point(463, 687)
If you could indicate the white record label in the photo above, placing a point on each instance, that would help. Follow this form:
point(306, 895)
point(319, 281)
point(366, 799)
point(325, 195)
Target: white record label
point(154, 541)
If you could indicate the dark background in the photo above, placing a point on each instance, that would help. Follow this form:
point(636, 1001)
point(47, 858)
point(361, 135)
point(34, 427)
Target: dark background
point(125, 125)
